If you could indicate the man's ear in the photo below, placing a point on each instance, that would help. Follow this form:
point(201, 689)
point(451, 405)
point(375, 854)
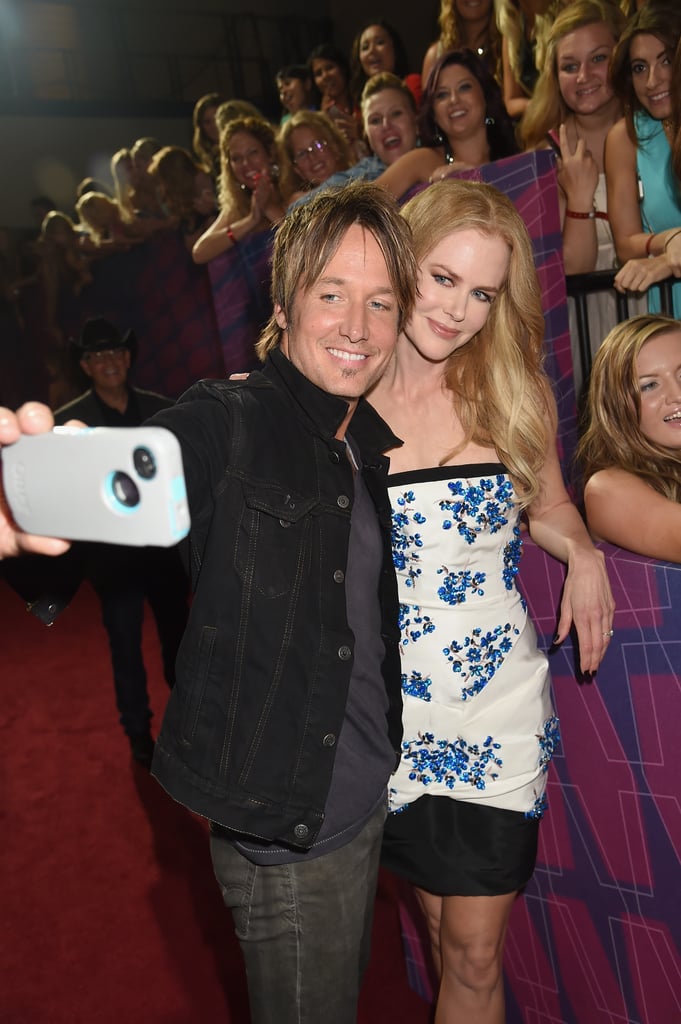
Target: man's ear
point(85, 368)
point(280, 317)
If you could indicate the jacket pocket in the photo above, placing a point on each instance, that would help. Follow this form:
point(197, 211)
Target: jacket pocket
point(198, 671)
point(272, 547)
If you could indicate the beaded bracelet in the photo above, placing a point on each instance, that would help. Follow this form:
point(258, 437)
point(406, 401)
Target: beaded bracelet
point(587, 216)
point(230, 234)
point(649, 243)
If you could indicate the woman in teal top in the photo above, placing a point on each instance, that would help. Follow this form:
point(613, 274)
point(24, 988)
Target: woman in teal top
point(644, 201)
point(660, 193)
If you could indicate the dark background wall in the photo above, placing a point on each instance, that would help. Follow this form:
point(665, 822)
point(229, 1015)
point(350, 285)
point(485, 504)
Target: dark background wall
point(81, 78)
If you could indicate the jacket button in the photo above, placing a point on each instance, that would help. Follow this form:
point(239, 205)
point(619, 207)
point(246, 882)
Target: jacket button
point(344, 653)
point(334, 457)
point(329, 740)
point(301, 831)
point(338, 576)
point(284, 523)
point(343, 501)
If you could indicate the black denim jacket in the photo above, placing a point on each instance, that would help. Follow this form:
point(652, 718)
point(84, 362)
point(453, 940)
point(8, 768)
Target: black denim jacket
point(248, 738)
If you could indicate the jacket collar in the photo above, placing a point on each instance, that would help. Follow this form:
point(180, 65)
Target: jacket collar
point(324, 412)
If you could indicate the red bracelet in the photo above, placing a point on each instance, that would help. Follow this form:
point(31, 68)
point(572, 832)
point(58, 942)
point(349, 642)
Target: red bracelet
point(587, 216)
point(230, 234)
point(649, 243)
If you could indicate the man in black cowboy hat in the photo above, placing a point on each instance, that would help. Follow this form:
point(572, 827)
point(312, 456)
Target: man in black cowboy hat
point(124, 577)
point(105, 356)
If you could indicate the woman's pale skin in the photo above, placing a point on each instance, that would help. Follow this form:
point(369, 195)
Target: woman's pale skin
point(622, 508)
point(458, 282)
point(582, 60)
point(390, 125)
point(651, 68)
point(251, 165)
point(459, 112)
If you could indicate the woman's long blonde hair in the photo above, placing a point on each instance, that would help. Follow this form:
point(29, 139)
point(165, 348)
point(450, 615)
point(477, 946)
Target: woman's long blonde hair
point(612, 436)
point(547, 109)
point(452, 35)
point(231, 195)
point(497, 381)
point(510, 25)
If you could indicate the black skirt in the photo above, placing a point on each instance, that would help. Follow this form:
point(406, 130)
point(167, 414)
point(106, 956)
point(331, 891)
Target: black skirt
point(457, 848)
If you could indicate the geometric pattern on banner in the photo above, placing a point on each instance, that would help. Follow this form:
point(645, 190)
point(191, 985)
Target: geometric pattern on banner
point(240, 282)
point(596, 937)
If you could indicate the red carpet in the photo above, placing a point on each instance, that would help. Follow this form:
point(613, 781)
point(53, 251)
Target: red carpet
point(110, 913)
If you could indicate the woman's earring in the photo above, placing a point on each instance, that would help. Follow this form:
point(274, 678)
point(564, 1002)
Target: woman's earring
point(489, 121)
point(437, 136)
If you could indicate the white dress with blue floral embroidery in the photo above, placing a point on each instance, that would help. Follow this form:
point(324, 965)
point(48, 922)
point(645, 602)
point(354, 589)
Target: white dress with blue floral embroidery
point(478, 719)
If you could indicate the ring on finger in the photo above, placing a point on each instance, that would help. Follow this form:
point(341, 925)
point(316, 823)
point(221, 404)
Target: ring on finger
point(607, 635)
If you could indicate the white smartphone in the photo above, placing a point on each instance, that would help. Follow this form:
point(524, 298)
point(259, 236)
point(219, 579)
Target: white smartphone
point(121, 485)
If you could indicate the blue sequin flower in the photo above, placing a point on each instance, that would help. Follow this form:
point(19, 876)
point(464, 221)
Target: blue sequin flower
point(404, 542)
point(417, 685)
point(455, 585)
point(479, 656)
point(512, 553)
point(548, 741)
point(413, 624)
point(451, 761)
point(538, 808)
point(485, 506)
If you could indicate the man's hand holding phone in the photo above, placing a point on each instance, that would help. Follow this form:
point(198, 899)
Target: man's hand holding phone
point(114, 485)
point(32, 418)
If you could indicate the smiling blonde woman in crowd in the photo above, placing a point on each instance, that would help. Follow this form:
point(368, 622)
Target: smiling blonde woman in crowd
point(250, 199)
point(630, 452)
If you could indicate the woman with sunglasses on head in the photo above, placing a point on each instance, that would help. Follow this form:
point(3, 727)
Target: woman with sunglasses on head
point(250, 198)
point(466, 393)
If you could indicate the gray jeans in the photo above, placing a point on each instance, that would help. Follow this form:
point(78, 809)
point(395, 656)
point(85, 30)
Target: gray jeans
point(304, 928)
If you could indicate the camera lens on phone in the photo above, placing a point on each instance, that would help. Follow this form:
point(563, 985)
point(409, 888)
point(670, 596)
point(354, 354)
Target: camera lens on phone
point(124, 489)
point(144, 463)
